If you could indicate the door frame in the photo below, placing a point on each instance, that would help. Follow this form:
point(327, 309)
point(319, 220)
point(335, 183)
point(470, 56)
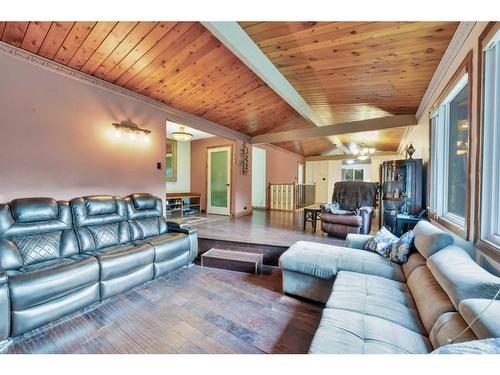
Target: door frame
point(226, 147)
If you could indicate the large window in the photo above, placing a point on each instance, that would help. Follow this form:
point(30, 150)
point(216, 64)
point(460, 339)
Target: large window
point(490, 199)
point(449, 155)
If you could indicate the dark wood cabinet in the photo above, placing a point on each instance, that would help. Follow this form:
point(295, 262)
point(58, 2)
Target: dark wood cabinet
point(401, 190)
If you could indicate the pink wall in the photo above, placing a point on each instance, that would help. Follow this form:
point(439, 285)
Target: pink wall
point(281, 165)
point(241, 192)
point(56, 138)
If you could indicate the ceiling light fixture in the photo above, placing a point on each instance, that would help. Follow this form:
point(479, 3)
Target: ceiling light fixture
point(363, 153)
point(132, 131)
point(181, 135)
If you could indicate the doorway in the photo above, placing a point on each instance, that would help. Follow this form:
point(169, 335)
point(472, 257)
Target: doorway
point(259, 156)
point(218, 180)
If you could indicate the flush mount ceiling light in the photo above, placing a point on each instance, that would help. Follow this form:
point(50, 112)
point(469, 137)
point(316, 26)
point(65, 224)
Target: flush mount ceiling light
point(181, 135)
point(131, 130)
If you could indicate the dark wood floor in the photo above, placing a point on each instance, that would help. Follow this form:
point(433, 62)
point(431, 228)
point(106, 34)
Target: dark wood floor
point(193, 310)
point(278, 228)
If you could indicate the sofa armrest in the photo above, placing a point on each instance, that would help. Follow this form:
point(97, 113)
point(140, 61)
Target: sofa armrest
point(4, 308)
point(177, 226)
point(357, 241)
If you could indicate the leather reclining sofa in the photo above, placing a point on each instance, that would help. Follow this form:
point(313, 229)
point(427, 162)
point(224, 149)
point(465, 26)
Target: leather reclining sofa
point(375, 306)
point(57, 257)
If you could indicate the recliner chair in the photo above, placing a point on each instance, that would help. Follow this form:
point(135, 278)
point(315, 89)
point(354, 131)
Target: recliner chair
point(356, 196)
point(48, 278)
point(102, 229)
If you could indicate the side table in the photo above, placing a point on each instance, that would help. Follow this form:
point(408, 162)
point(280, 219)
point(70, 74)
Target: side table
point(311, 215)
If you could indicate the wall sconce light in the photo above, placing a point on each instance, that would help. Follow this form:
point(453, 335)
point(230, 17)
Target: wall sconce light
point(126, 129)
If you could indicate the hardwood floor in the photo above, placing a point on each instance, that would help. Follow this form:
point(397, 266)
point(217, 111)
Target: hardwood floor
point(192, 310)
point(275, 228)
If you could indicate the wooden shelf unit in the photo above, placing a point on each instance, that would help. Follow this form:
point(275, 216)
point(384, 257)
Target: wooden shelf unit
point(182, 204)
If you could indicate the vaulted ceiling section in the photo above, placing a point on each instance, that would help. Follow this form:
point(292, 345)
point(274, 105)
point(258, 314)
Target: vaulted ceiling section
point(344, 70)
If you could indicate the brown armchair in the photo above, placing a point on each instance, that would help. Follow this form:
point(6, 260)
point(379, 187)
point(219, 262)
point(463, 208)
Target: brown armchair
point(357, 197)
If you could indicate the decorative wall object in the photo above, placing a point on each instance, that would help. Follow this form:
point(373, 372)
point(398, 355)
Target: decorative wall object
point(244, 159)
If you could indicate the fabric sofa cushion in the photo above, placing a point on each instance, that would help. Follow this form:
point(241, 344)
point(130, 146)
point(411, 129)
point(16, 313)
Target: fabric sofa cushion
point(357, 241)
point(415, 260)
point(430, 239)
point(430, 298)
point(485, 346)
point(483, 315)
point(461, 277)
point(325, 261)
point(349, 332)
point(399, 251)
point(375, 296)
point(448, 327)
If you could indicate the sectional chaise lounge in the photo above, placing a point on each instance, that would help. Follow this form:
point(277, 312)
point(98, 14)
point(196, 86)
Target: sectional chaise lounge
point(57, 257)
point(373, 305)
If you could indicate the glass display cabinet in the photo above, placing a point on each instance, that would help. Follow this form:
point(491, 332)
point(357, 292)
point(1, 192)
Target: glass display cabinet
point(400, 191)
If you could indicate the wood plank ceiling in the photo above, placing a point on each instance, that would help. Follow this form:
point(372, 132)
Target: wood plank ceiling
point(178, 63)
point(344, 70)
point(349, 71)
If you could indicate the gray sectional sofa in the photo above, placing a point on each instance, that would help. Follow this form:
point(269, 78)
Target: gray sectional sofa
point(57, 257)
point(373, 305)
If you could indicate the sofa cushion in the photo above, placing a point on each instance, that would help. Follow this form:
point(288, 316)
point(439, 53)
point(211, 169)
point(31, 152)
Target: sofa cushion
point(105, 235)
point(399, 251)
point(415, 260)
point(123, 259)
point(448, 327)
point(381, 242)
point(429, 239)
point(143, 201)
point(26, 210)
point(100, 205)
point(169, 245)
point(430, 298)
point(349, 332)
point(38, 247)
point(50, 280)
point(325, 261)
point(485, 346)
point(483, 316)
point(461, 277)
point(375, 296)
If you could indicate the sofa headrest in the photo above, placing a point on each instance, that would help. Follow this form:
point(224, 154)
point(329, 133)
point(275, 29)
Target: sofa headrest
point(143, 205)
point(97, 210)
point(429, 239)
point(27, 210)
point(483, 317)
point(143, 201)
point(461, 277)
point(29, 216)
point(100, 205)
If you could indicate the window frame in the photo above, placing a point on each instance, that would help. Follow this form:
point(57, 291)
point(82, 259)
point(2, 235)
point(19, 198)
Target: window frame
point(482, 235)
point(437, 192)
point(353, 169)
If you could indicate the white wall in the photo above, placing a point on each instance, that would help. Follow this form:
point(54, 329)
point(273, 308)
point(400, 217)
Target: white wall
point(183, 183)
point(258, 177)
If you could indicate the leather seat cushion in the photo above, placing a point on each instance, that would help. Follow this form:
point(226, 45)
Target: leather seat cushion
point(376, 296)
point(122, 259)
point(350, 332)
point(50, 280)
point(352, 220)
point(169, 245)
point(325, 261)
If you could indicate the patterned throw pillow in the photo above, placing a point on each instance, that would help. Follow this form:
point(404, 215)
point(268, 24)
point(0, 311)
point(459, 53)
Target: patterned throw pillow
point(400, 250)
point(381, 242)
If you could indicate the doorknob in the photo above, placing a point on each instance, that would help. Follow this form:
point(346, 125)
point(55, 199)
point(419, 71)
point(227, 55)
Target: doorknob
point(227, 184)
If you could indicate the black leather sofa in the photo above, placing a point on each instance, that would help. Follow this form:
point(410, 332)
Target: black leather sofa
point(58, 257)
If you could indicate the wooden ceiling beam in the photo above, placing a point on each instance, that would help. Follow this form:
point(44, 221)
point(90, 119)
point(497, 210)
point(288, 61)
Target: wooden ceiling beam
point(338, 129)
point(238, 42)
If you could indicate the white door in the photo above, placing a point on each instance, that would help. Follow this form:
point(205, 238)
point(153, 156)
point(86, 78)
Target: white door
point(317, 174)
point(219, 180)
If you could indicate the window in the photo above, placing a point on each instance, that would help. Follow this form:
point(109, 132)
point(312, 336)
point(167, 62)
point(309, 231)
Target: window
point(449, 127)
point(353, 174)
point(490, 199)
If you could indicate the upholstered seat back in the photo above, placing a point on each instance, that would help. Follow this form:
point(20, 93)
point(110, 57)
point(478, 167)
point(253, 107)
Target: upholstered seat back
point(351, 195)
point(145, 216)
point(34, 230)
point(100, 222)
